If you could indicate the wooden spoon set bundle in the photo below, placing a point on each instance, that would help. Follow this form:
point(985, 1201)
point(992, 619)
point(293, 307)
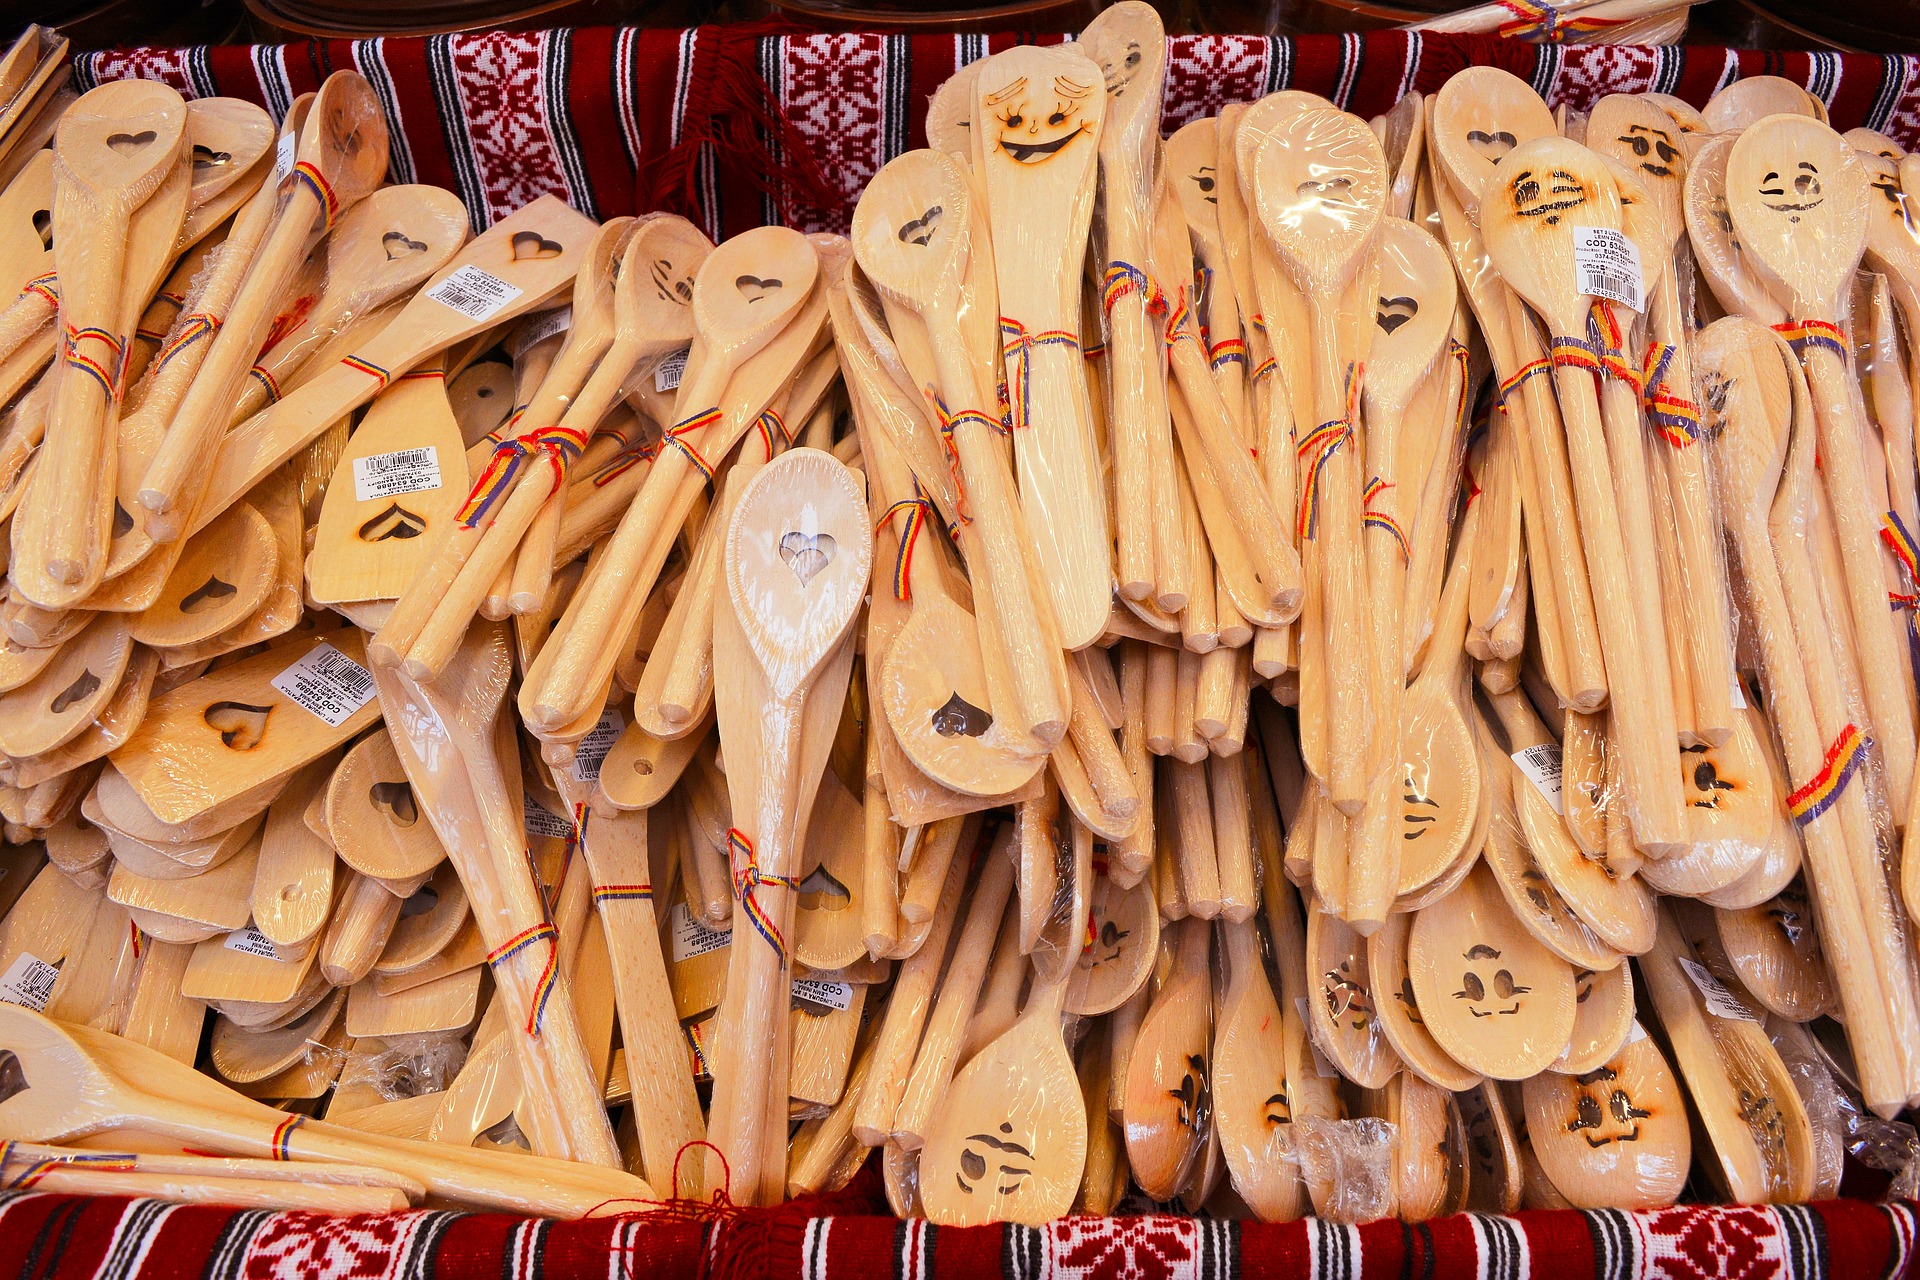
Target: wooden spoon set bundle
point(1227, 665)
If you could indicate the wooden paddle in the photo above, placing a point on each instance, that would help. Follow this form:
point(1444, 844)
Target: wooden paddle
point(110, 155)
point(1036, 184)
point(1322, 188)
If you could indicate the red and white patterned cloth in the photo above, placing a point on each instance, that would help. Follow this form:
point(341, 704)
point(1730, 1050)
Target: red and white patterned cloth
point(46, 1237)
point(742, 125)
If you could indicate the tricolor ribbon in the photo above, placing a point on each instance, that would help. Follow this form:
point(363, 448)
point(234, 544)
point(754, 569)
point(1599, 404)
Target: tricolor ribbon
point(47, 286)
point(363, 365)
point(1545, 24)
point(1316, 450)
point(748, 877)
point(1017, 346)
point(1675, 417)
point(676, 436)
point(625, 460)
point(769, 424)
point(305, 174)
point(622, 893)
point(283, 1136)
point(543, 988)
point(1820, 791)
point(267, 381)
point(1894, 532)
point(1227, 351)
point(1600, 352)
point(917, 509)
point(1123, 278)
point(1382, 519)
point(1513, 381)
point(558, 445)
point(105, 372)
point(190, 330)
point(1803, 334)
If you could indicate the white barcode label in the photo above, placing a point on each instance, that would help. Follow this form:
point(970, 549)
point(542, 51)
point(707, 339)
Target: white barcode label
point(1720, 1001)
point(542, 327)
point(328, 683)
point(286, 151)
point(388, 475)
point(691, 937)
point(1607, 265)
point(1541, 764)
point(542, 821)
point(28, 982)
point(250, 941)
point(594, 747)
point(830, 995)
point(666, 374)
point(474, 293)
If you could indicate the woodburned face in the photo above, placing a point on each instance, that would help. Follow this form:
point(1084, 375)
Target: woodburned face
point(1793, 190)
point(1489, 987)
point(1033, 127)
point(1546, 196)
point(1653, 148)
point(1712, 781)
point(996, 1159)
point(1347, 997)
point(1604, 1112)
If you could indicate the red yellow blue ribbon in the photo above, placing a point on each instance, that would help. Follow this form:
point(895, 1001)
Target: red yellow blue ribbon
point(917, 509)
point(543, 988)
point(105, 372)
point(558, 445)
point(1316, 450)
point(1384, 520)
point(1675, 417)
point(1804, 334)
point(1820, 791)
point(1017, 347)
point(1227, 351)
point(306, 175)
point(1545, 24)
point(768, 424)
point(47, 286)
point(677, 433)
point(1123, 278)
point(272, 384)
point(190, 330)
point(1894, 532)
point(747, 877)
point(283, 1136)
point(622, 893)
point(368, 367)
point(1512, 382)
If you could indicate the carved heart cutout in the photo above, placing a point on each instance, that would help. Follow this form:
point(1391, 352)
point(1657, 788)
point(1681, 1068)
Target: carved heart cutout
point(921, 229)
point(395, 522)
point(208, 158)
point(1333, 190)
point(212, 591)
point(396, 798)
point(531, 244)
point(128, 144)
point(43, 224)
point(1491, 145)
point(822, 892)
point(958, 716)
point(1395, 312)
point(240, 725)
point(13, 1079)
point(753, 288)
point(122, 522)
point(807, 553)
point(79, 691)
point(399, 245)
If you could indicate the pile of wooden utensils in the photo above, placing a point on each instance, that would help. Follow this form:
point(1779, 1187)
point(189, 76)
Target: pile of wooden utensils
point(947, 646)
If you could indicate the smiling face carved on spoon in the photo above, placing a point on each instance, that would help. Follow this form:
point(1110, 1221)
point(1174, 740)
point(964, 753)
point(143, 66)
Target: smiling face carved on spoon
point(1641, 136)
point(653, 285)
point(1798, 197)
point(1536, 197)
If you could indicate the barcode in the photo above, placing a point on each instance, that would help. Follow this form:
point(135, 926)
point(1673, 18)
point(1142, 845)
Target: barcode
point(327, 683)
point(28, 982)
point(1606, 284)
point(474, 293)
point(399, 459)
point(353, 679)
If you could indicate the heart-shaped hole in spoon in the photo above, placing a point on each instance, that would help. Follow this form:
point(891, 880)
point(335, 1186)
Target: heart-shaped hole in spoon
point(240, 725)
point(210, 592)
point(208, 158)
point(396, 521)
point(957, 717)
point(396, 798)
point(1491, 145)
point(920, 230)
point(753, 288)
point(80, 690)
point(1395, 312)
point(807, 553)
point(13, 1077)
point(399, 244)
point(531, 244)
point(821, 891)
point(128, 144)
point(43, 226)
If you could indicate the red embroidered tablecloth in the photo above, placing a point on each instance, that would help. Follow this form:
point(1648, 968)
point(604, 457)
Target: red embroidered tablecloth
point(45, 1237)
point(617, 121)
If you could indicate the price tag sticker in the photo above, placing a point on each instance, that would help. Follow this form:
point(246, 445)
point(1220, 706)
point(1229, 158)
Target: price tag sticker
point(1607, 265)
point(594, 747)
point(822, 996)
point(388, 475)
point(544, 326)
point(542, 821)
point(28, 982)
point(1720, 1001)
point(1541, 764)
point(285, 152)
point(667, 374)
point(474, 293)
point(691, 937)
point(250, 941)
point(327, 683)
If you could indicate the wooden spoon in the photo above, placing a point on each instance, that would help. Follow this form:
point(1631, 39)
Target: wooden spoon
point(374, 816)
point(1775, 948)
point(798, 555)
point(80, 1085)
point(1615, 1136)
point(1398, 1012)
point(1322, 189)
point(1494, 998)
point(1734, 812)
point(341, 158)
point(1805, 231)
point(1750, 99)
point(1168, 1093)
point(1010, 1144)
point(1343, 1008)
point(110, 155)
